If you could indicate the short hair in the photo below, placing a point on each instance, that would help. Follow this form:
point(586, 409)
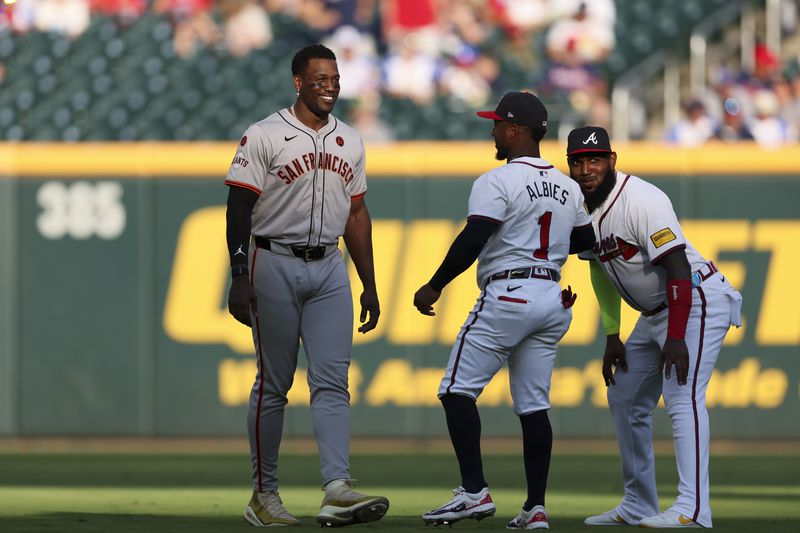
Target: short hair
point(538, 133)
point(304, 55)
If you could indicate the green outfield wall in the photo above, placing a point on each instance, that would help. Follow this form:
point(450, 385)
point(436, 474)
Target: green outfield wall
point(113, 318)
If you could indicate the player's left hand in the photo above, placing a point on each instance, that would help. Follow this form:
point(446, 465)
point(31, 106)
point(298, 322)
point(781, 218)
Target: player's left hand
point(424, 299)
point(568, 297)
point(369, 306)
point(675, 353)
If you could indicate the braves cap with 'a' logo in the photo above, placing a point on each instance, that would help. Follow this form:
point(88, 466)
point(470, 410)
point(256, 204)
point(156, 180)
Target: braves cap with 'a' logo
point(588, 139)
point(524, 109)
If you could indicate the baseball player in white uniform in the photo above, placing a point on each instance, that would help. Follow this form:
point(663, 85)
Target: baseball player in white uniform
point(687, 307)
point(297, 183)
point(524, 218)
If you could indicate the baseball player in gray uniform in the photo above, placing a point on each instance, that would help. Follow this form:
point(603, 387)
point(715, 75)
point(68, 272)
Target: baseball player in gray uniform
point(687, 307)
point(524, 218)
point(296, 184)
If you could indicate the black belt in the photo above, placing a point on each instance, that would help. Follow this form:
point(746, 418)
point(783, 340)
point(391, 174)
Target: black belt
point(306, 254)
point(527, 272)
point(656, 310)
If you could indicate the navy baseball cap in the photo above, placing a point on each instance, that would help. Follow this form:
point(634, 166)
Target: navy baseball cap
point(588, 139)
point(524, 109)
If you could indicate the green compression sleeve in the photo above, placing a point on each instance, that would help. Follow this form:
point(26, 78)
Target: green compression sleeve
point(608, 298)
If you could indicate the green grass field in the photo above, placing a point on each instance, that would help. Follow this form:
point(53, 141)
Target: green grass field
point(205, 493)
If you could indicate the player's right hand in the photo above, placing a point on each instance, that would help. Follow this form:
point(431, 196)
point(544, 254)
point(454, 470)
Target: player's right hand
point(613, 356)
point(424, 299)
point(241, 299)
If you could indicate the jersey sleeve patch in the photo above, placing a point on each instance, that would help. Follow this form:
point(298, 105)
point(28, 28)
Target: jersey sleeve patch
point(662, 237)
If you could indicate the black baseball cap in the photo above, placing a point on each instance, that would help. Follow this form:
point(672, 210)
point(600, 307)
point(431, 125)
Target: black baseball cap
point(524, 109)
point(588, 139)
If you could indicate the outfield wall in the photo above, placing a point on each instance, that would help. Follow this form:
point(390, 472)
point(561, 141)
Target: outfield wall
point(113, 284)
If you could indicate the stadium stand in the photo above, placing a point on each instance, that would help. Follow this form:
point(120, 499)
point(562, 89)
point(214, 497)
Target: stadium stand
point(121, 79)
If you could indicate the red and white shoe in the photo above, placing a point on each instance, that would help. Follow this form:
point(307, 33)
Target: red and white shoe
point(463, 505)
point(536, 518)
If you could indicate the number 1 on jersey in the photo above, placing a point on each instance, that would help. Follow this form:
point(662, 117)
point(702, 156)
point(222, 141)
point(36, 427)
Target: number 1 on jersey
point(544, 236)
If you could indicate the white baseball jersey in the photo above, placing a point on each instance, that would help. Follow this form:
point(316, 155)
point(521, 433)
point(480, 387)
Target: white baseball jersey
point(538, 207)
point(636, 226)
point(518, 318)
point(293, 167)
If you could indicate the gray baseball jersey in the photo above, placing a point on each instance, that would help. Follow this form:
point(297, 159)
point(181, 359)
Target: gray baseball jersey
point(305, 180)
point(290, 165)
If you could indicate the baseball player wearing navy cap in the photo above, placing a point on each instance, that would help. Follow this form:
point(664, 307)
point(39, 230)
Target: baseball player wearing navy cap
point(297, 184)
point(524, 218)
point(687, 307)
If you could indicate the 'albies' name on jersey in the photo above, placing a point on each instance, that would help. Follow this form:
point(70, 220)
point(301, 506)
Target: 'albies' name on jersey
point(547, 189)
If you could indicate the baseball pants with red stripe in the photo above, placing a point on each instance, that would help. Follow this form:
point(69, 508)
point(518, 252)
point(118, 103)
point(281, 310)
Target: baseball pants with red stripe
point(518, 322)
point(309, 301)
point(715, 307)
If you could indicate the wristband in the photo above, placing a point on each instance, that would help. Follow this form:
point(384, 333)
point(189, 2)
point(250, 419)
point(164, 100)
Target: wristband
point(238, 270)
point(679, 302)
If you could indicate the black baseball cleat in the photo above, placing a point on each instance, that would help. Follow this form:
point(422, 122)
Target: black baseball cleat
point(463, 505)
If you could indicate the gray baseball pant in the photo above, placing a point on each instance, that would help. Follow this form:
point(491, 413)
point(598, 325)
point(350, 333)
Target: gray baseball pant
point(309, 301)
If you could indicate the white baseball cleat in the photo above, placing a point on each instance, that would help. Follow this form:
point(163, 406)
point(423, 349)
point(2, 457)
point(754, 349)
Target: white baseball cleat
point(668, 518)
point(536, 518)
point(609, 518)
point(463, 505)
point(266, 509)
point(342, 506)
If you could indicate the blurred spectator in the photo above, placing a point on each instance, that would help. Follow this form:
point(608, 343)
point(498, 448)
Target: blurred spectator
point(6, 13)
point(365, 118)
point(69, 17)
point(358, 67)
point(522, 16)
point(733, 127)
point(194, 27)
point(769, 129)
point(345, 12)
point(793, 111)
point(317, 15)
point(695, 128)
point(468, 78)
point(410, 72)
point(766, 68)
point(579, 40)
point(466, 22)
point(412, 18)
point(788, 102)
point(602, 13)
point(245, 26)
point(575, 47)
point(126, 11)
point(520, 21)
